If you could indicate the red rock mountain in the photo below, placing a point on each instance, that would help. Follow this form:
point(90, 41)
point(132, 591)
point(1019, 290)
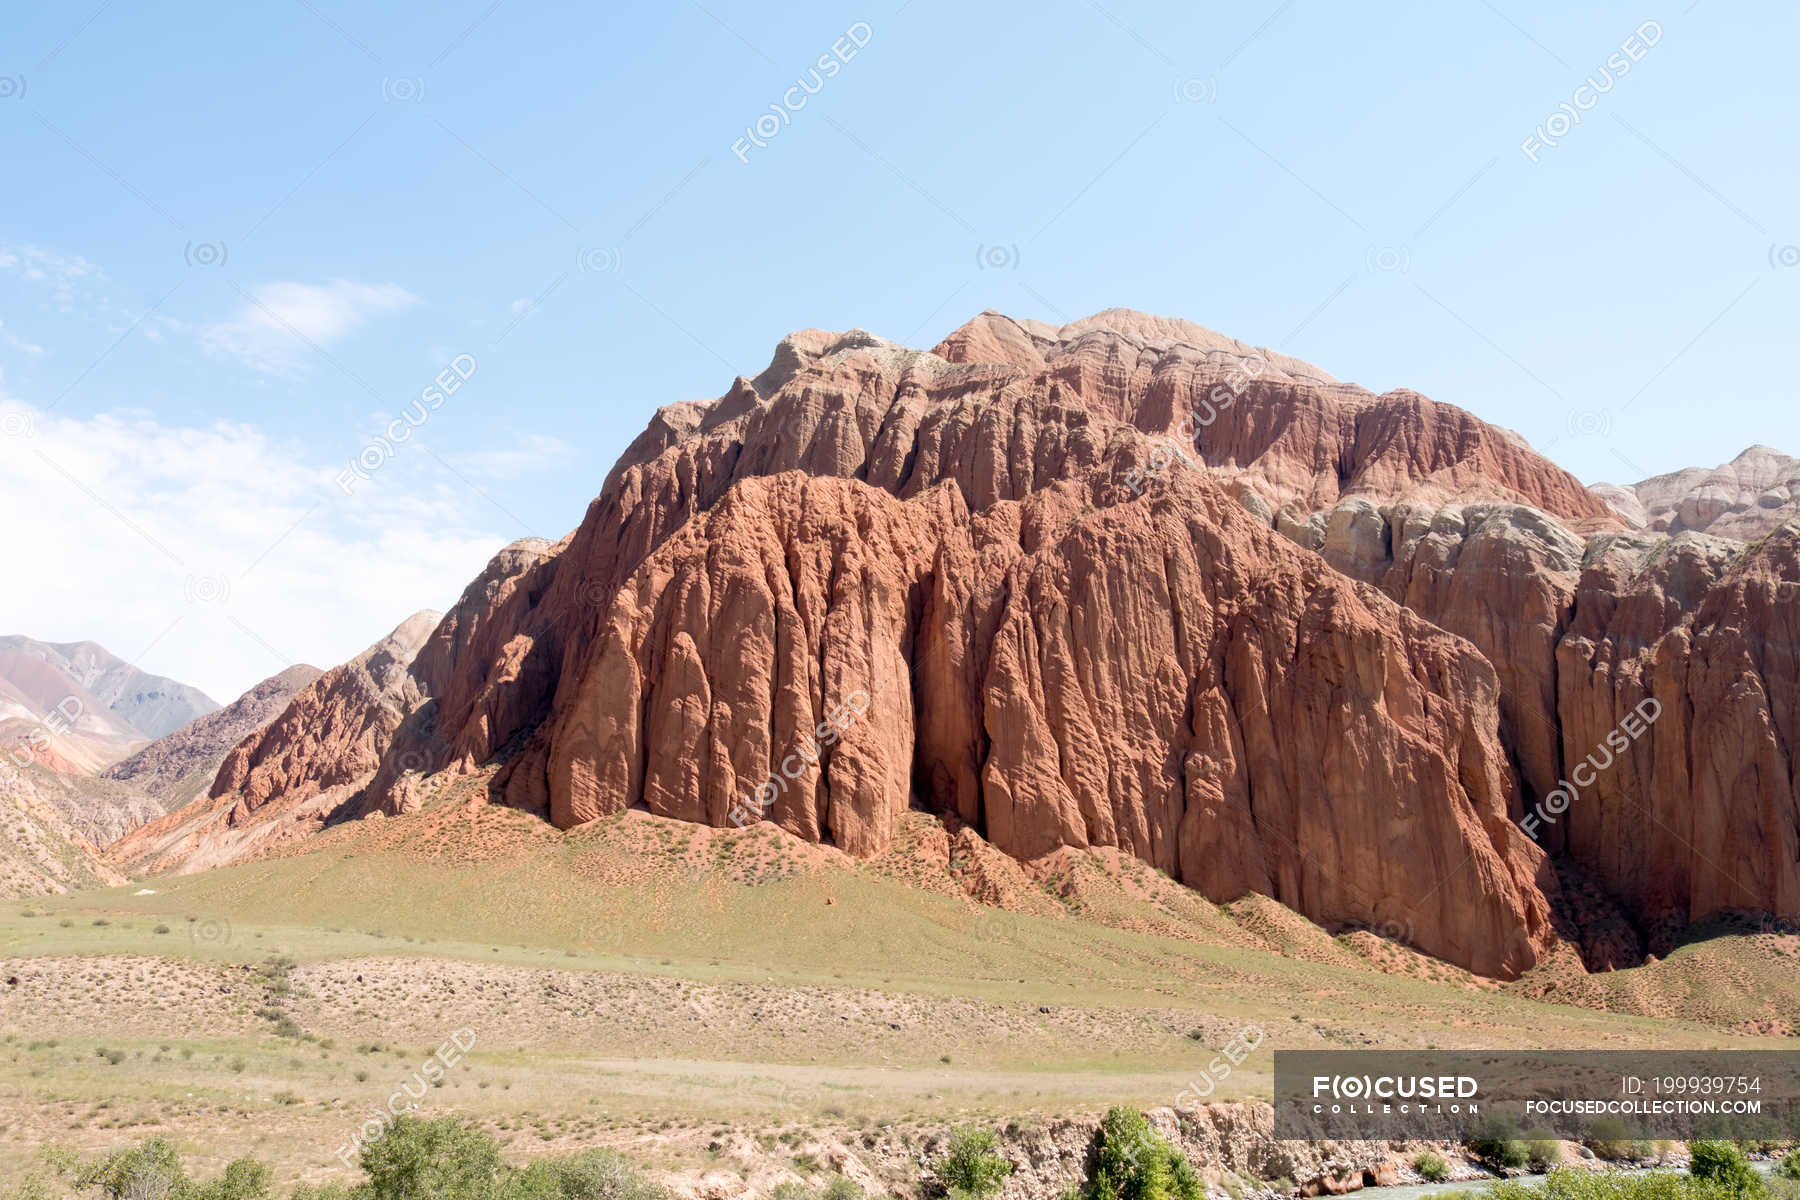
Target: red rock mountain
point(329, 735)
point(177, 768)
point(1122, 583)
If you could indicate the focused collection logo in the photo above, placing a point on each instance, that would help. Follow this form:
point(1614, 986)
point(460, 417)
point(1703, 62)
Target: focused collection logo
point(1364, 1094)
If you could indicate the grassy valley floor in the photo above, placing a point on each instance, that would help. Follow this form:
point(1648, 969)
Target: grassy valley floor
point(722, 1004)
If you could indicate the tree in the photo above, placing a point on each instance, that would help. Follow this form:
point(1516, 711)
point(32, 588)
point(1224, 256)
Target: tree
point(1431, 1166)
point(973, 1167)
point(1609, 1138)
point(1496, 1145)
point(152, 1171)
point(443, 1159)
point(1132, 1161)
point(589, 1175)
point(1724, 1163)
point(244, 1179)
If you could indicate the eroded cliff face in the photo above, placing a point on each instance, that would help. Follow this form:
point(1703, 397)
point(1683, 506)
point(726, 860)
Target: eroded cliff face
point(1648, 690)
point(1332, 656)
point(1700, 813)
point(1080, 668)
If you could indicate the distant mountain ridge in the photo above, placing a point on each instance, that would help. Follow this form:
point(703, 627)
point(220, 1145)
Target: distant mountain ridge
point(1744, 499)
point(60, 801)
point(150, 705)
point(181, 766)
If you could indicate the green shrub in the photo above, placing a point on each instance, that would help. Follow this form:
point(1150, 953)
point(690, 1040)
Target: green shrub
point(589, 1175)
point(1723, 1163)
point(1131, 1161)
point(244, 1179)
point(1542, 1150)
point(150, 1172)
point(442, 1159)
point(1609, 1139)
point(1496, 1145)
point(1431, 1166)
point(972, 1167)
point(1789, 1167)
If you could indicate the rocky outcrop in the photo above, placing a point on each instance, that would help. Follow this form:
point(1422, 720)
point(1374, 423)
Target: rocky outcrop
point(1232, 1147)
point(1699, 812)
point(952, 540)
point(1746, 498)
point(1628, 662)
point(334, 730)
point(473, 671)
point(295, 770)
point(177, 768)
point(1274, 707)
point(1501, 575)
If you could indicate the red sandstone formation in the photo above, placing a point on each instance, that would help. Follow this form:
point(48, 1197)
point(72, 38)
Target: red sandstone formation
point(1332, 657)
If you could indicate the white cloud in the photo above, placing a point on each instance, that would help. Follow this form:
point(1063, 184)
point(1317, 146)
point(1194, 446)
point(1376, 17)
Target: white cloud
point(62, 273)
point(13, 341)
point(271, 332)
point(529, 452)
point(217, 556)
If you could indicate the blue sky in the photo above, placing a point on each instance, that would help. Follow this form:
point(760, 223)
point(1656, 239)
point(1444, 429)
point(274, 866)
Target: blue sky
point(238, 240)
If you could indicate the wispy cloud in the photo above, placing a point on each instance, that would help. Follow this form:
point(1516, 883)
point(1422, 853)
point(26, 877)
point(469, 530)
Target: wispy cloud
point(529, 452)
point(13, 341)
point(279, 323)
point(223, 551)
point(65, 275)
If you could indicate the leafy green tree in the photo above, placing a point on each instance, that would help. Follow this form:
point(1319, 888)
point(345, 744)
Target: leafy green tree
point(244, 1179)
point(1724, 1163)
point(589, 1175)
point(442, 1159)
point(1496, 1146)
point(152, 1171)
point(973, 1167)
point(1131, 1161)
point(1609, 1138)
